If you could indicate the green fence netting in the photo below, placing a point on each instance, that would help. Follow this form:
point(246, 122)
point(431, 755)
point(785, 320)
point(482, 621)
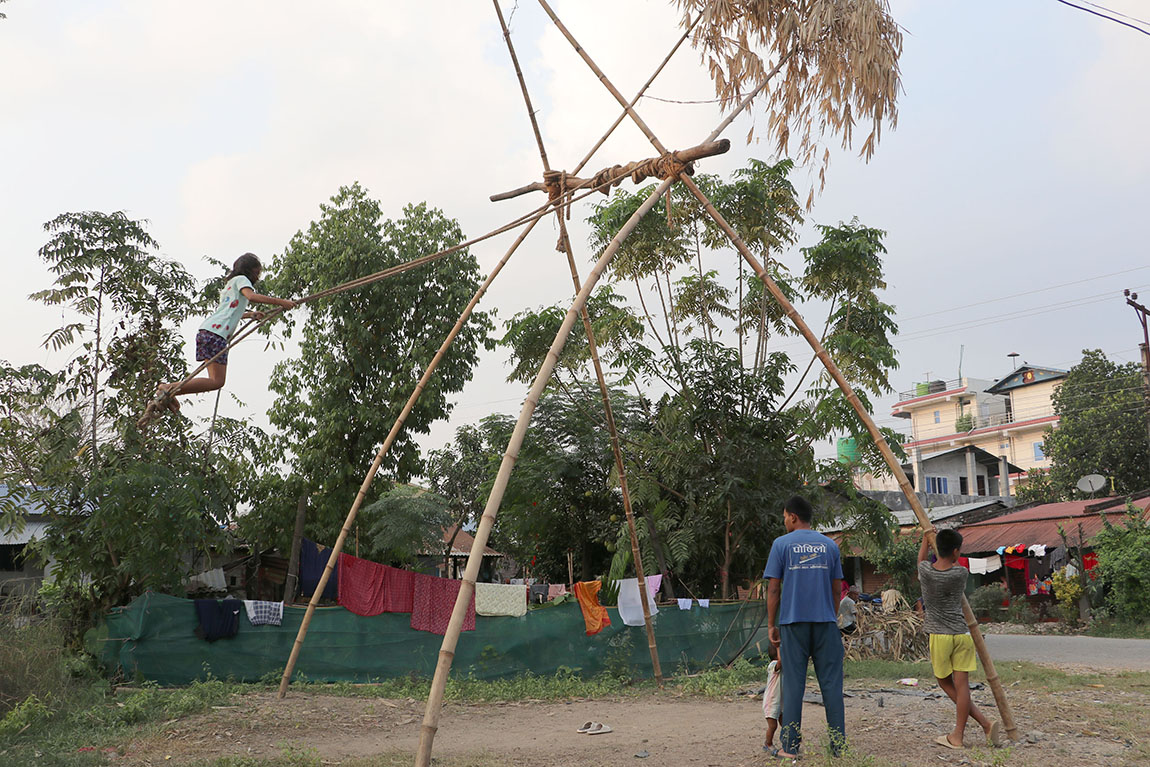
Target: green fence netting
point(153, 639)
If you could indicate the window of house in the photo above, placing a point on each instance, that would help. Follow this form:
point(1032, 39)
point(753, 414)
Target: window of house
point(938, 416)
point(962, 485)
point(11, 559)
point(936, 485)
point(1039, 453)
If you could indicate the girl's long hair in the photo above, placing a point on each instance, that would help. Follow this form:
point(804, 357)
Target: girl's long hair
point(247, 265)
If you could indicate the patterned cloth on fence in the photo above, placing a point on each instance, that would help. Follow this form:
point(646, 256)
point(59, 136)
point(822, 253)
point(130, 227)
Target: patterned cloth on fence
point(556, 590)
point(630, 608)
point(432, 602)
point(500, 599)
point(262, 613)
point(312, 560)
point(369, 588)
point(218, 619)
point(594, 614)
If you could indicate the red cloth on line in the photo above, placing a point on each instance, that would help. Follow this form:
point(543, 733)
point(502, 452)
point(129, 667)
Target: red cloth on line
point(1015, 561)
point(369, 588)
point(433, 600)
point(964, 561)
point(1090, 561)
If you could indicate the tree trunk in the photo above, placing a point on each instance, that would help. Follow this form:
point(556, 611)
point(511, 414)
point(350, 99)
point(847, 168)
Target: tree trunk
point(725, 575)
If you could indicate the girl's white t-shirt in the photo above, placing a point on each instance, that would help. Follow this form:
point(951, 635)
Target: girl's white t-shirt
point(226, 318)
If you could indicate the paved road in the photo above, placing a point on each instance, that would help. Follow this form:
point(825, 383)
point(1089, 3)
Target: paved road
point(1097, 652)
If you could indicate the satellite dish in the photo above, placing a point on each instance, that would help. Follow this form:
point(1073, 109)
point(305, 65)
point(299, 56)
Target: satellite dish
point(1091, 483)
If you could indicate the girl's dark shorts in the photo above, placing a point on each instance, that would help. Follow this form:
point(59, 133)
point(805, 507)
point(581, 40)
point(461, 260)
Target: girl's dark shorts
point(207, 344)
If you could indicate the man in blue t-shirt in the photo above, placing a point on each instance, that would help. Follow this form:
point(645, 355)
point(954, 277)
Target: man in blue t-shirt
point(805, 578)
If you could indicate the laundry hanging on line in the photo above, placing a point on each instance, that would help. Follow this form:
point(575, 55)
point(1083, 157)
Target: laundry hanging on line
point(433, 599)
point(312, 561)
point(630, 606)
point(369, 588)
point(263, 613)
point(500, 600)
point(595, 616)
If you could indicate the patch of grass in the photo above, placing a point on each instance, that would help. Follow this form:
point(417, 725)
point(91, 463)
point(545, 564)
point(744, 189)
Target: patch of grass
point(100, 722)
point(1119, 629)
point(722, 681)
point(289, 756)
point(885, 670)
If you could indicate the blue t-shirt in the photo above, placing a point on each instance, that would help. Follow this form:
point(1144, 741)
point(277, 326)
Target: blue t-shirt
point(806, 562)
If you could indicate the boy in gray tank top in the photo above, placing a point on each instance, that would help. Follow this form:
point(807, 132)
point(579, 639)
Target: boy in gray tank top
point(952, 655)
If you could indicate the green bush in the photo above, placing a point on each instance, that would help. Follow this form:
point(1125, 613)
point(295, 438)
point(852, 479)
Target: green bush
point(1124, 567)
point(1020, 611)
point(35, 661)
point(986, 601)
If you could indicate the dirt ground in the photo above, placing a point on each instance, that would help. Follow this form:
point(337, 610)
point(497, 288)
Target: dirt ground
point(1095, 726)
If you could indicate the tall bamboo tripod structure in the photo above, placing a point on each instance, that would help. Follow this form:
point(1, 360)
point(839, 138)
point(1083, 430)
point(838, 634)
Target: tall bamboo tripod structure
point(447, 652)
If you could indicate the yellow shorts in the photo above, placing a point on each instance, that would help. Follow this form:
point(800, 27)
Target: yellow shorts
point(950, 653)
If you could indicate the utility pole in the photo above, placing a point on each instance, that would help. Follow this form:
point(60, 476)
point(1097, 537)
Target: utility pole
point(1144, 347)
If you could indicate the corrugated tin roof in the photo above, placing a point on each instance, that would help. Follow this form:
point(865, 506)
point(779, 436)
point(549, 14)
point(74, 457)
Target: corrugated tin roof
point(1039, 524)
point(461, 547)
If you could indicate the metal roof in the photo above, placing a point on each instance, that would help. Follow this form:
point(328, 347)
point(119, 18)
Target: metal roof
point(1039, 524)
point(461, 547)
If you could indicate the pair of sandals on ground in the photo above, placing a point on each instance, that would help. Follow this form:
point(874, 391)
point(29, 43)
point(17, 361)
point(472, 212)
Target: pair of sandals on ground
point(594, 728)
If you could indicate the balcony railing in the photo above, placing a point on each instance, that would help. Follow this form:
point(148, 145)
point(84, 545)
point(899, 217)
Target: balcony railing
point(930, 387)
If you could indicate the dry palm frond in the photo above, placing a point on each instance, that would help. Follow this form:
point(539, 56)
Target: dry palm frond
point(890, 636)
point(839, 66)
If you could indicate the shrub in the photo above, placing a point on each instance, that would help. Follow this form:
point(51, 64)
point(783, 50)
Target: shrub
point(1067, 591)
point(35, 661)
point(986, 601)
point(1020, 611)
point(1124, 567)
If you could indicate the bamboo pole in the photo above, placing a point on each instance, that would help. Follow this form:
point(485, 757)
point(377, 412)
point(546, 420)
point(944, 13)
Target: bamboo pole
point(880, 441)
point(848, 391)
point(451, 637)
point(383, 450)
point(565, 246)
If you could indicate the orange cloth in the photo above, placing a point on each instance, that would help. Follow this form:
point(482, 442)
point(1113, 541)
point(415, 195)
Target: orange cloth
point(594, 614)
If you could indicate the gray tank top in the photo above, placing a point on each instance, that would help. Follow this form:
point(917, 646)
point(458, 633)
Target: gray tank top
point(942, 598)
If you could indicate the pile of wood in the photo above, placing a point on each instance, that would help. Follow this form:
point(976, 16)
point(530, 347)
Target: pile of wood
point(896, 635)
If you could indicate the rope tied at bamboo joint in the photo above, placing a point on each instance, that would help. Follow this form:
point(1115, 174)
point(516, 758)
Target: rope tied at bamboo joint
point(671, 164)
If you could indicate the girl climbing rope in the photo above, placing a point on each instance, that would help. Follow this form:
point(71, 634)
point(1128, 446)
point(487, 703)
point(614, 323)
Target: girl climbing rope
point(215, 331)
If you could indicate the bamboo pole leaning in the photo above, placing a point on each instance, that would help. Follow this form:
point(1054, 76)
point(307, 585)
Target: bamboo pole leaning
point(487, 520)
point(333, 558)
point(844, 385)
point(876, 435)
point(609, 415)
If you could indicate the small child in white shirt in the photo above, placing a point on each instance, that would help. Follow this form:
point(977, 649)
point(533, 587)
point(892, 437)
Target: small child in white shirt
point(772, 698)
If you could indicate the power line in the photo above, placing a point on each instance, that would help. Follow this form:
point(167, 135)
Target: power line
point(1104, 16)
point(1023, 293)
point(1117, 13)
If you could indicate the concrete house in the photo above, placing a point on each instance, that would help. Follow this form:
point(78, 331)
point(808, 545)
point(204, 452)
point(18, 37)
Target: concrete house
point(976, 421)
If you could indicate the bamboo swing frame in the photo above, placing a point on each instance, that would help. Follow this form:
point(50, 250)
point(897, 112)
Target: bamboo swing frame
point(577, 310)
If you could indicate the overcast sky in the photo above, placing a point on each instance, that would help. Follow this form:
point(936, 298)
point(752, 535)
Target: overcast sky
point(1014, 190)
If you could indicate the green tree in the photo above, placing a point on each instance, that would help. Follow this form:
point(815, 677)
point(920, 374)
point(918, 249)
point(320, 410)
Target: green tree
point(127, 511)
point(1124, 565)
point(405, 522)
point(723, 443)
point(362, 351)
point(1102, 426)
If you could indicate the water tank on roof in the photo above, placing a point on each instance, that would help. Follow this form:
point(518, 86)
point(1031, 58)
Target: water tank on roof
point(847, 449)
point(921, 388)
point(937, 386)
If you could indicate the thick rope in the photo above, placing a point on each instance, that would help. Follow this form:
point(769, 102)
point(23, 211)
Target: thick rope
point(162, 400)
